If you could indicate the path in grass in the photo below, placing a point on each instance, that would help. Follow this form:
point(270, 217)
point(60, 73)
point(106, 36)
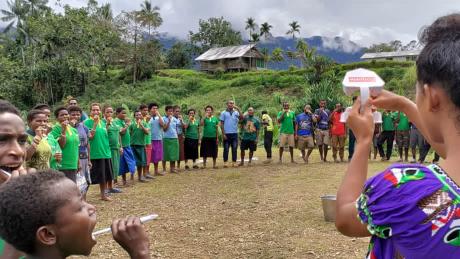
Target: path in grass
point(263, 211)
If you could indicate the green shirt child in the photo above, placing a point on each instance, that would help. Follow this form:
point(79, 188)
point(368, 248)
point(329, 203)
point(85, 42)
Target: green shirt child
point(137, 133)
point(71, 148)
point(210, 127)
point(100, 148)
point(192, 130)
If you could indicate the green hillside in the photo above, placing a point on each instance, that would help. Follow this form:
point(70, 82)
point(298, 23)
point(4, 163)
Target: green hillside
point(264, 90)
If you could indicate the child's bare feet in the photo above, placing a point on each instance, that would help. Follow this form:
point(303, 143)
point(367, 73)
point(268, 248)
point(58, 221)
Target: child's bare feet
point(106, 198)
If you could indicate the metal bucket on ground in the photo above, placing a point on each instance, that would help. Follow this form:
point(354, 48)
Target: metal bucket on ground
point(328, 202)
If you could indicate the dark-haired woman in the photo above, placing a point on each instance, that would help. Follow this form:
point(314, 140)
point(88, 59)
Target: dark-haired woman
point(69, 141)
point(411, 211)
point(209, 141)
point(191, 142)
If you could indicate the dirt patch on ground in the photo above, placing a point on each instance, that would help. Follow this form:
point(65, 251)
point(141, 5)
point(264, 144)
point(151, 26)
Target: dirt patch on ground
point(263, 211)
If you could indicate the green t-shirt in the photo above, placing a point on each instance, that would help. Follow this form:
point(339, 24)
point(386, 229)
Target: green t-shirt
point(287, 124)
point(251, 125)
point(388, 121)
point(2, 247)
point(137, 133)
point(114, 135)
point(55, 148)
point(100, 148)
point(125, 138)
point(71, 149)
point(192, 130)
point(403, 123)
point(210, 127)
point(148, 137)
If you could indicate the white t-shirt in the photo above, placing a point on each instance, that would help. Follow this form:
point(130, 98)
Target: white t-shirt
point(377, 116)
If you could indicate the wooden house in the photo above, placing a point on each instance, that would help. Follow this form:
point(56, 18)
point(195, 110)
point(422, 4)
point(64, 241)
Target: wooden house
point(232, 58)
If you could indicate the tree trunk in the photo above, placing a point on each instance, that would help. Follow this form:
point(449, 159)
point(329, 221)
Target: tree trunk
point(135, 58)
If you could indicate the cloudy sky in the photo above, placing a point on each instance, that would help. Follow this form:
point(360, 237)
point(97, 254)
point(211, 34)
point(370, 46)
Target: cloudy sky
point(362, 21)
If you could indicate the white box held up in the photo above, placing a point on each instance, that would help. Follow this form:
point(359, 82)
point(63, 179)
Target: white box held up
point(363, 80)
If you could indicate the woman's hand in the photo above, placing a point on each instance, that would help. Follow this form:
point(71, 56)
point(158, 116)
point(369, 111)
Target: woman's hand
point(362, 124)
point(389, 101)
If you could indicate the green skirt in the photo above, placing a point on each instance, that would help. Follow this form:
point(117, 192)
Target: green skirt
point(115, 162)
point(170, 149)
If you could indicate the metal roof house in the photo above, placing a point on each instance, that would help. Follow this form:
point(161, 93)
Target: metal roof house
point(407, 55)
point(232, 58)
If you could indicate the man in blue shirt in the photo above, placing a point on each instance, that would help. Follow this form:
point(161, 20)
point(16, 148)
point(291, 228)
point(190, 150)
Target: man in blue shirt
point(229, 120)
point(322, 129)
point(303, 132)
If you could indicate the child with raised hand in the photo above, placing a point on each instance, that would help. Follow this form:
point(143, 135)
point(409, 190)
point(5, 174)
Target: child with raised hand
point(412, 211)
point(138, 130)
point(63, 223)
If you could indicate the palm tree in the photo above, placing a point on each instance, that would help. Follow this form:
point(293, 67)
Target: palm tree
point(104, 12)
point(305, 53)
point(255, 37)
point(265, 30)
point(149, 16)
point(250, 25)
point(277, 55)
point(266, 56)
point(37, 6)
point(295, 28)
point(17, 13)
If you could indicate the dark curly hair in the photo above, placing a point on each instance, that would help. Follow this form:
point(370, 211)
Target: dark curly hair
point(33, 113)
point(27, 203)
point(439, 61)
point(58, 110)
point(74, 109)
point(6, 106)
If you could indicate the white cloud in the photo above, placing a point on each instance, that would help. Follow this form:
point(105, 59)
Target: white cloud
point(362, 21)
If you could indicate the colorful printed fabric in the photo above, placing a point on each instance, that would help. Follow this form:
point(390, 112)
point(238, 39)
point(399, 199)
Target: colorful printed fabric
point(412, 211)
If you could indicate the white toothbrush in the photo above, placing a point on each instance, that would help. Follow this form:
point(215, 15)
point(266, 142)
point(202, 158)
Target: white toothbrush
point(108, 230)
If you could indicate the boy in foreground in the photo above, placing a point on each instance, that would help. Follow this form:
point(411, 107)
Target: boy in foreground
point(63, 223)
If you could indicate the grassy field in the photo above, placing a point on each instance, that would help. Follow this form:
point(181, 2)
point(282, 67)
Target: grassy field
point(262, 211)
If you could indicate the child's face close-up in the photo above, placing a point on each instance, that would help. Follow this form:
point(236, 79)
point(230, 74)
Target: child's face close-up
point(75, 116)
point(13, 140)
point(40, 120)
point(145, 111)
point(95, 110)
point(75, 221)
point(122, 115)
point(154, 110)
point(63, 116)
point(138, 115)
point(170, 112)
point(108, 113)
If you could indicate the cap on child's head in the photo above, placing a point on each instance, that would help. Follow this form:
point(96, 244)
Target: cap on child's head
point(27, 203)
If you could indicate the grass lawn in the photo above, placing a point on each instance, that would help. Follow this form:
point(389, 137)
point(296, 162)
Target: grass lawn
point(262, 211)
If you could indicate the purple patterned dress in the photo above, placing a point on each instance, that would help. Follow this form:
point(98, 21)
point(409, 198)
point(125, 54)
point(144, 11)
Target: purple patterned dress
point(412, 211)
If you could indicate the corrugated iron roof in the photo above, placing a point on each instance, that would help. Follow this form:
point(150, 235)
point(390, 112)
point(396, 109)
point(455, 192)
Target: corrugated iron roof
point(225, 52)
point(391, 54)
